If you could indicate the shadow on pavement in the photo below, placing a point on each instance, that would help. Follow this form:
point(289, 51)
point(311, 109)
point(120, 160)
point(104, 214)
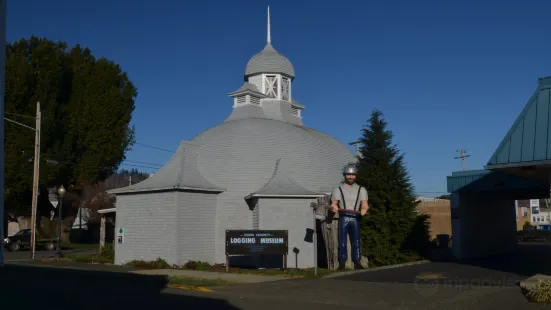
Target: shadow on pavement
point(528, 260)
point(27, 287)
point(491, 271)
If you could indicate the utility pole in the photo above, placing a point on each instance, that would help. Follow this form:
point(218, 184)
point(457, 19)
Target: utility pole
point(357, 144)
point(3, 15)
point(130, 180)
point(35, 177)
point(463, 155)
point(36, 171)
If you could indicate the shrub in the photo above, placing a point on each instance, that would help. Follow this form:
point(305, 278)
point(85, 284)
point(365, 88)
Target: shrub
point(540, 292)
point(197, 265)
point(107, 255)
point(156, 264)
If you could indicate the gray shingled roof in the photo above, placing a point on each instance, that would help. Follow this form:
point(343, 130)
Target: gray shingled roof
point(179, 173)
point(269, 61)
point(298, 105)
point(281, 184)
point(239, 155)
point(247, 88)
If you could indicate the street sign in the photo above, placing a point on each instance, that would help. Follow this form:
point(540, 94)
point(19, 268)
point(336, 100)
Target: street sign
point(120, 237)
point(257, 242)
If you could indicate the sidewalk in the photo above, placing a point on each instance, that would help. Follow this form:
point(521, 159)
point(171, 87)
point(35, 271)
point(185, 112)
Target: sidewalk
point(231, 277)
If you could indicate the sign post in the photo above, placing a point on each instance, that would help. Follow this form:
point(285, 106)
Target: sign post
point(257, 242)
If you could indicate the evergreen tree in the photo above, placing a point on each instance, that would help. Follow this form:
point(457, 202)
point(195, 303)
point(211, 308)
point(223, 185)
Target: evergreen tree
point(392, 231)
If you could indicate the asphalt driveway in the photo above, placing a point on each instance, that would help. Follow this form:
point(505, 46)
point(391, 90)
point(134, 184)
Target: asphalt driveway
point(493, 271)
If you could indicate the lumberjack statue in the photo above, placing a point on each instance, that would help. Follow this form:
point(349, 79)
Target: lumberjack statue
point(350, 201)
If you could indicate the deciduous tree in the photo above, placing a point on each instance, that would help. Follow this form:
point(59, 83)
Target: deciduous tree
point(86, 104)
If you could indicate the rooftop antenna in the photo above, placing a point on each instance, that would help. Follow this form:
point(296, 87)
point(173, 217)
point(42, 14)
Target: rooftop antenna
point(269, 31)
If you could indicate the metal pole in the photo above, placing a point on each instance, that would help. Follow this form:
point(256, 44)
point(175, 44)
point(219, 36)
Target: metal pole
point(3, 15)
point(315, 244)
point(59, 220)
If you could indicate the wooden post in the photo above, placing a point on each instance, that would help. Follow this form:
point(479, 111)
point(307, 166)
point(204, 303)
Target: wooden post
point(102, 233)
point(227, 263)
point(284, 261)
point(36, 176)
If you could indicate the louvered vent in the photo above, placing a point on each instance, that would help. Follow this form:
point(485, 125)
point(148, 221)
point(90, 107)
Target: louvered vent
point(240, 100)
point(254, 100)
point(295, 111)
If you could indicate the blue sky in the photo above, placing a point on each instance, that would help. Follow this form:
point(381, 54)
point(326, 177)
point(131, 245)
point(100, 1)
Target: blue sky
point(446, 74)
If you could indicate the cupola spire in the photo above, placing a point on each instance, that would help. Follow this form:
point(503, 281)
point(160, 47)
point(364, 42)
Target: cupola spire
point(269, 39)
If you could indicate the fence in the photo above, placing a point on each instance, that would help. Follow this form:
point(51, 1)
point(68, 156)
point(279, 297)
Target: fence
point(440, 215)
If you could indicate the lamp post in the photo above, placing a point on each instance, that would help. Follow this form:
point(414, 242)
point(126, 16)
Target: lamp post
point(61, 193)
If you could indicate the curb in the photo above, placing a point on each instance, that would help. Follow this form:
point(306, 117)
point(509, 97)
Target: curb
point(346, 273)
point(190, 288)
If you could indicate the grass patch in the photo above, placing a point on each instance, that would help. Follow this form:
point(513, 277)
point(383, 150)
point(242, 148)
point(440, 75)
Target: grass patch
point(106, 256)
point(192, 281)
point(204, 266)
point(79, 246)
point(540, 292)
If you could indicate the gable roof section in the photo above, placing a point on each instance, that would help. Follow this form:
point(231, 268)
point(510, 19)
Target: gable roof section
point(247, 89)
point(528, 142)
point(282, 185)
point(180, 173)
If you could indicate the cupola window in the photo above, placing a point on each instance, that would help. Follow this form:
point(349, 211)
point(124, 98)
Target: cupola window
point(285, 88)
point(271, 86)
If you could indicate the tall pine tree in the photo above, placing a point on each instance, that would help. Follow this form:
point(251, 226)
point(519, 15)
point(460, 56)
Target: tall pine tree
point(392, 232)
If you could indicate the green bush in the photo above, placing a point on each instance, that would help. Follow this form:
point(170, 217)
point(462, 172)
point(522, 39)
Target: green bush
point(541, 292)
point(107, 254)
point(156, 264)
point(197, 265)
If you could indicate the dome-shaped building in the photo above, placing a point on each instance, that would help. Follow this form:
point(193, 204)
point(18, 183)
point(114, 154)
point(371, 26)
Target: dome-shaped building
point(259, 169)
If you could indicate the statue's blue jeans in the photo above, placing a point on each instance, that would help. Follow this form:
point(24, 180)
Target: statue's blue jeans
point(349, 225)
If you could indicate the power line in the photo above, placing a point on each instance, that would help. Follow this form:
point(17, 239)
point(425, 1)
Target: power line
point(20, 115)
point(153, 147)
point(143, 162)
point(55, 162)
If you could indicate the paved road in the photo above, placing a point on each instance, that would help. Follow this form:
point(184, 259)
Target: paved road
point(124, 290)
point(24, 255)
point(398, 288)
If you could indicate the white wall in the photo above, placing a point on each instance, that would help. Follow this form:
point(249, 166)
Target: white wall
point(296, 216)
point(149, 222)
point(196, 227)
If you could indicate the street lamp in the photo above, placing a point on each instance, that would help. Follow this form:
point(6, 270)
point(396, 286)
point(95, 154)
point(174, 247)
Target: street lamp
point(61, 193)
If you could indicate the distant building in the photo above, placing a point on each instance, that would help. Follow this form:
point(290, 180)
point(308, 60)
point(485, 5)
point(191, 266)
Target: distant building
point(530, 211)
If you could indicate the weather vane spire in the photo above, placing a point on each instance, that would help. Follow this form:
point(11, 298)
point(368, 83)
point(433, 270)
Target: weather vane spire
point(269, 31)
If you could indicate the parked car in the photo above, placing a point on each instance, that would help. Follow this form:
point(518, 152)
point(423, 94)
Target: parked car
point(23, 239)
point(534, 233)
